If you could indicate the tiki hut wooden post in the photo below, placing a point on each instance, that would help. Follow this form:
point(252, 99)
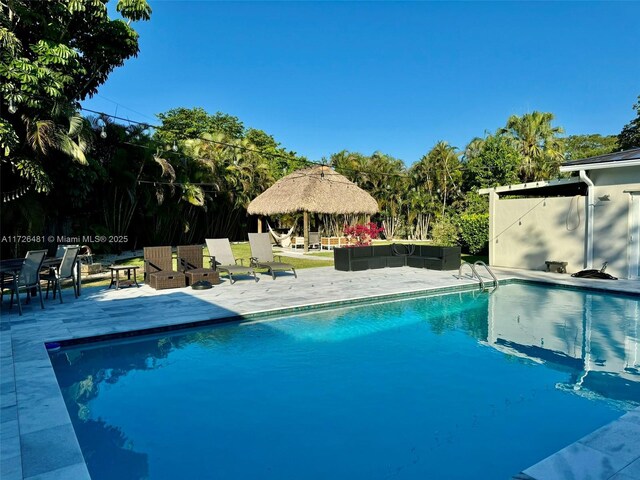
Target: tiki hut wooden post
point(305, 230)
point(318, 190)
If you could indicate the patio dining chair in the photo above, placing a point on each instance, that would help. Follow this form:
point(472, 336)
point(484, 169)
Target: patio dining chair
point(65, 271)
point(223, 260)
point(190, 262)
point(158, 269)
point(262, 255)
point(28, 277)
point(60, 251)
point(314, 239)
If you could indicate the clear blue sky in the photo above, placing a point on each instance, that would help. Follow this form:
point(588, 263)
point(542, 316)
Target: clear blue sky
point(390, 76)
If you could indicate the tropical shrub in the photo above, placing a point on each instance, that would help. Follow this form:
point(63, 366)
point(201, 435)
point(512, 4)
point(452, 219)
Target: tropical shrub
point(444, 232)
point(474, 231)
point(360, 235)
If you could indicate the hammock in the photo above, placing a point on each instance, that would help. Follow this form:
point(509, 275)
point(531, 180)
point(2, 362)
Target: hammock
point(282, 240)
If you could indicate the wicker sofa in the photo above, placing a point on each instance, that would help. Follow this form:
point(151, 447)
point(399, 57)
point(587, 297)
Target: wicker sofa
point(396, 255)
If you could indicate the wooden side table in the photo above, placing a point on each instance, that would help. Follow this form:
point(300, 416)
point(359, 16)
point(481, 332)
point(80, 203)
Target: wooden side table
point(115, 276)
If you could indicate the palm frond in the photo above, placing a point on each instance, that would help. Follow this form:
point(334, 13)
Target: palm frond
point(167, 168)
point(41, 135)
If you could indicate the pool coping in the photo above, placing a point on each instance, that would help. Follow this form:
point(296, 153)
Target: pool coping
point(61, 437)
point(265, 314)
point(309, 307)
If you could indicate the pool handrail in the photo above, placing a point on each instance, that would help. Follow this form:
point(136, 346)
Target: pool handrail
point(495, 279)
point(474, 273)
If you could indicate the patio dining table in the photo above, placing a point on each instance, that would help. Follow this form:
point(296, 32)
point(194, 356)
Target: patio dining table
point(12, 267)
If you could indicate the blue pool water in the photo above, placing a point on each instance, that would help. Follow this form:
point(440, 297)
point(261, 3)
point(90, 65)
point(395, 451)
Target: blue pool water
point(457, 386)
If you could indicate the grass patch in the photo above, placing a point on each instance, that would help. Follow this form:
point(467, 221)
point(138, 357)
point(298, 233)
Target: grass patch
point(240, 251)
point(474, 258)
point(243, 251)
point(321, 254)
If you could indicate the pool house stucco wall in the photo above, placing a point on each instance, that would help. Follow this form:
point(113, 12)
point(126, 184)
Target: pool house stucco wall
point(612, 217)
point(525, 232)
point(549, 220)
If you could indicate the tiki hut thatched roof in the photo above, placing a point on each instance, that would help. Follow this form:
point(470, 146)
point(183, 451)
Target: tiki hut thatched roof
point(315, 190)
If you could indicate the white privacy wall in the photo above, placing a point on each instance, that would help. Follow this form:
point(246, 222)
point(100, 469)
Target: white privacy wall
point(525, 232)
point(611, 217)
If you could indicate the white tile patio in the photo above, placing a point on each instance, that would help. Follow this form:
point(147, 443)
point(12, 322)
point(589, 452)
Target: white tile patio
point(36, 436)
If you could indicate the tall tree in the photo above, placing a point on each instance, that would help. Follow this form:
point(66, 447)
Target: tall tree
point(183, 123)
point(55, 54)
point(537, 142)
point(421, 203)
point(231, 173)
point(629, 137)
point(577, 147)
point(388, 184)
point(442, 166)
point(352, 165)
point(490, 162)
point(281, 161)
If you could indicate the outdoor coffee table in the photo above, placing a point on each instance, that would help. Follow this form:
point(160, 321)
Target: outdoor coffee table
point(115, 279)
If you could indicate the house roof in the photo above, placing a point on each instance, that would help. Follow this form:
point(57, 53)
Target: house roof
point(625, 158)
point(557, 187)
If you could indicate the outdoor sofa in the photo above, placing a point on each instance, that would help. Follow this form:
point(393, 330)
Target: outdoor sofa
point(396, 255)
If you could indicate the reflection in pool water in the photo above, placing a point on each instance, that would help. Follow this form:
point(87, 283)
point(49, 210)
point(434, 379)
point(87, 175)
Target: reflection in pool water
point(405, 389)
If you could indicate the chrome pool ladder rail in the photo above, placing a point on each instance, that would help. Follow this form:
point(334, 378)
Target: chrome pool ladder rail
point(474, 274)
point(496, 284)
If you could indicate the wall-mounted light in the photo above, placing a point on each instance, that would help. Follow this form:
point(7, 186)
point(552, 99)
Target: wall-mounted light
point(605, 198)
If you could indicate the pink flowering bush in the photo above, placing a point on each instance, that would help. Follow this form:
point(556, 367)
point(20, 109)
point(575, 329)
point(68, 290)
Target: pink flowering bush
point(361, 235)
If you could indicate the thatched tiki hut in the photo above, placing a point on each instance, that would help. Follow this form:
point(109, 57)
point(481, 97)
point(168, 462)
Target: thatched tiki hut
point(313, 190)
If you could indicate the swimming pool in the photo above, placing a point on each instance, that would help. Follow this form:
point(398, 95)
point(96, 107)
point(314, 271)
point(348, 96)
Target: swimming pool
point(454, 386)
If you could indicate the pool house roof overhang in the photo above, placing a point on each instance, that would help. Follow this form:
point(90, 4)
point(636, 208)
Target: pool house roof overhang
point(560, 187)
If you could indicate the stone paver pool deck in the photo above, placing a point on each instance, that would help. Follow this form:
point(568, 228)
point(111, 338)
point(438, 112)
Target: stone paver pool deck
point(37, 440)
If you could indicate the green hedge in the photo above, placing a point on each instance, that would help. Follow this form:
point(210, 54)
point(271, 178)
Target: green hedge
point(473, 229)
point(445, 232)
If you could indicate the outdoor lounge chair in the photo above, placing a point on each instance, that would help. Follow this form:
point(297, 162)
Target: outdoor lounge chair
point(158, 269)
point(66, 270)
point(262, 255)
point(223, 260)
point(190, 263)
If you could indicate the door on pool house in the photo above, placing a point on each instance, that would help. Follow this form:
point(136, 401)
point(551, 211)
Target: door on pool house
point(634, 235)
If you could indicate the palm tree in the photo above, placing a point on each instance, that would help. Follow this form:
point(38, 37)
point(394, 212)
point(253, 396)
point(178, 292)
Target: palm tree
point(537, 141)
point(443, 166)
point(232, 172)
point(387, 183)
point(352, 165)
point(473, 149)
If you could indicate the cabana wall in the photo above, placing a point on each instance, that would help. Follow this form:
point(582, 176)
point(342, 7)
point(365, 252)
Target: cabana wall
point(615, 217)
point(551, 219)
point(526, 232)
